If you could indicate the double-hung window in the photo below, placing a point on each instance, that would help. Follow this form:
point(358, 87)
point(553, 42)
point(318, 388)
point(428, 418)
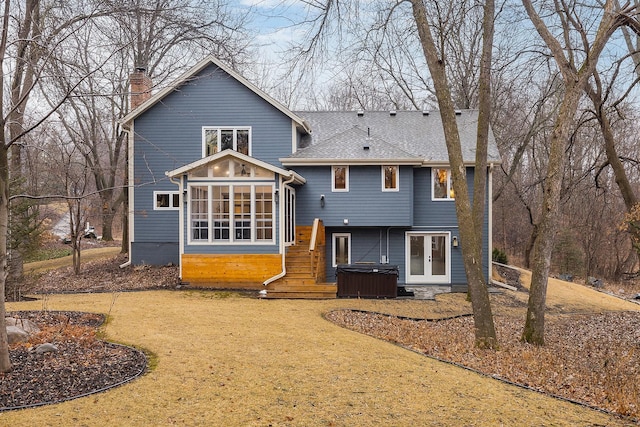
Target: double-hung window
point(390, 178)
point(340, 178)
point(216, 139)
point(232, 213)
point(442, 188)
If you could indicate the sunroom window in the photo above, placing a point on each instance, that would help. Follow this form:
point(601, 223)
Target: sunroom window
point(442, 184)
point(216, 139)
point(233, 213)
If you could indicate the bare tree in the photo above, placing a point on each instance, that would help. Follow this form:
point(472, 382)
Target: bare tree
point(29, 33)
point(575, 71)
point(434, 49)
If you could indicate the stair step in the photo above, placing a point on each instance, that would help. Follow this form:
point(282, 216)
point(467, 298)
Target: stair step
point(302, 288)
point(300, 295)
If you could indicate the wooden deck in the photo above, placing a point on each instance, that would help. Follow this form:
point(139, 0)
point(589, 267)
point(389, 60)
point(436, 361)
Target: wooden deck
point(305, 276)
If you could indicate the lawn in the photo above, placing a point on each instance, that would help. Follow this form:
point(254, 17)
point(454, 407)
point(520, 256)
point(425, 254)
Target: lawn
point(228, 360)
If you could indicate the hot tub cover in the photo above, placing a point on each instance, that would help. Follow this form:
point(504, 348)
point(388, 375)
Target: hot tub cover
point(368, 268)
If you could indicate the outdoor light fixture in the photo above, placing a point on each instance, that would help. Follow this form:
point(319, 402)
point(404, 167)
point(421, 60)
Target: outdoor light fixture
point(454, 241)
point(346, 221)
point(322, 200)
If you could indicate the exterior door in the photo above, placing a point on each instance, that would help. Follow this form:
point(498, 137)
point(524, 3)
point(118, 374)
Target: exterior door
point(428, 258)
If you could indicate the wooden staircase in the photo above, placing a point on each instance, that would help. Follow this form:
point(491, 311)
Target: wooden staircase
point(305, 268)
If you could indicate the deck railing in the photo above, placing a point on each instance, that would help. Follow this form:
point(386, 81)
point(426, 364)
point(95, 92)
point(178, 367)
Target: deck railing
point(316, 242)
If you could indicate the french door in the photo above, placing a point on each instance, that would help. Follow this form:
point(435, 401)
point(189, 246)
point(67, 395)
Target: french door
point(428, 258)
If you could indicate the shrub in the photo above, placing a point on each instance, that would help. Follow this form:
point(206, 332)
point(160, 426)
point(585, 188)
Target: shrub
point(500, 256)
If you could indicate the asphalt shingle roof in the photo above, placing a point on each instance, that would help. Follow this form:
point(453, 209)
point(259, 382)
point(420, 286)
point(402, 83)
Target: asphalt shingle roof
point(403, 135)
point(355, 144)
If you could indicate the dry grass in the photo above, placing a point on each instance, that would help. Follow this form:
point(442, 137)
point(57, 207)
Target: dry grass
point(226, 360)
point(85, 256)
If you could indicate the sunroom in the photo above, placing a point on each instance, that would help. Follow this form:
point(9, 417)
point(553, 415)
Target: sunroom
point(237, 216)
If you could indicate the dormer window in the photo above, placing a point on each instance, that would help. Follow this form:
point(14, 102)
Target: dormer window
point(216, 139)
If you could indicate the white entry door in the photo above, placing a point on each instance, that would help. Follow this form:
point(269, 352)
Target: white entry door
point(428, 258)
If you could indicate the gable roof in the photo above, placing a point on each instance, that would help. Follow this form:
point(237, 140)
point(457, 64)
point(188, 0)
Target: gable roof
point(241, 157)
point(354, 145)
point(417, 133)
point(211, 60)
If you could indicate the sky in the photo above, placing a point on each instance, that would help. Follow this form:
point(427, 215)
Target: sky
point(274, 22)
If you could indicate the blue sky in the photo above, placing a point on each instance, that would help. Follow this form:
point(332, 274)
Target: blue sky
point(275, 21)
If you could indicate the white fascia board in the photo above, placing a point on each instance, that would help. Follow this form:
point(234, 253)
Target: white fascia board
point(362, 162)
point(195, 70)
point(242, 157)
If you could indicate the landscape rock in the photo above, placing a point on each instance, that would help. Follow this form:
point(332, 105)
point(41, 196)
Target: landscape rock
point(25, 324)
point(46, 348)
point(596, 283)
point(16, 335)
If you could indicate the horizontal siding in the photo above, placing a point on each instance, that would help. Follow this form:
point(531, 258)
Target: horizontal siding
point(369, 244)
point(364, 205)
point(169, 135)
point(156, 253)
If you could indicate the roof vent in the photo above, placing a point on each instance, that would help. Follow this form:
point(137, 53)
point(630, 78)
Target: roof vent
point(392, 112)
point(425, 112)
point(360, 113)
point(458, 112)
point(366, 147)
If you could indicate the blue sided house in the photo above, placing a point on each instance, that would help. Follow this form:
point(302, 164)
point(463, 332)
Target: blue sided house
point(243, 193)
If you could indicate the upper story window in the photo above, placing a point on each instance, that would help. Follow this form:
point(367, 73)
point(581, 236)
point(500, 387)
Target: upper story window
point(442, 184)
point(216, 139)
point(168, 200)
point(340, 178)
point(390, 178)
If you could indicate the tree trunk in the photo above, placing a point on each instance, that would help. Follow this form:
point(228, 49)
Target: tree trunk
point(470, 237)
point(5, 363)
point(622, 180)
point(543, 246)
point(575, 79)
point(108, 215)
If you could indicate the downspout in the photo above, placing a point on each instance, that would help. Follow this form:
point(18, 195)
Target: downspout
point(281, 231)
point(182, 192)
point(127, 130)
point(490, 224)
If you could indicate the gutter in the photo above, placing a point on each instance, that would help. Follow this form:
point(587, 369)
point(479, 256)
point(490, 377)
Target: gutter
point(280, 275)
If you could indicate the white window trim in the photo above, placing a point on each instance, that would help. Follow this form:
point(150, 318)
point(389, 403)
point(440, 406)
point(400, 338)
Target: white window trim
point(346, 179)
point(397, 188)
point(168, 208)
point(221, 128)
point(449, 187)
point(434, 279)
point(333, 247)
point(210, 240)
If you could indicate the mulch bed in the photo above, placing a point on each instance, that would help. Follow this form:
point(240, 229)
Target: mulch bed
point(83, 363)
point(593, 359)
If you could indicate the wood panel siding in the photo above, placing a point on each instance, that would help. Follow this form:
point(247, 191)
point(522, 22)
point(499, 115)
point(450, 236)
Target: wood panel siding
point(247, 271)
